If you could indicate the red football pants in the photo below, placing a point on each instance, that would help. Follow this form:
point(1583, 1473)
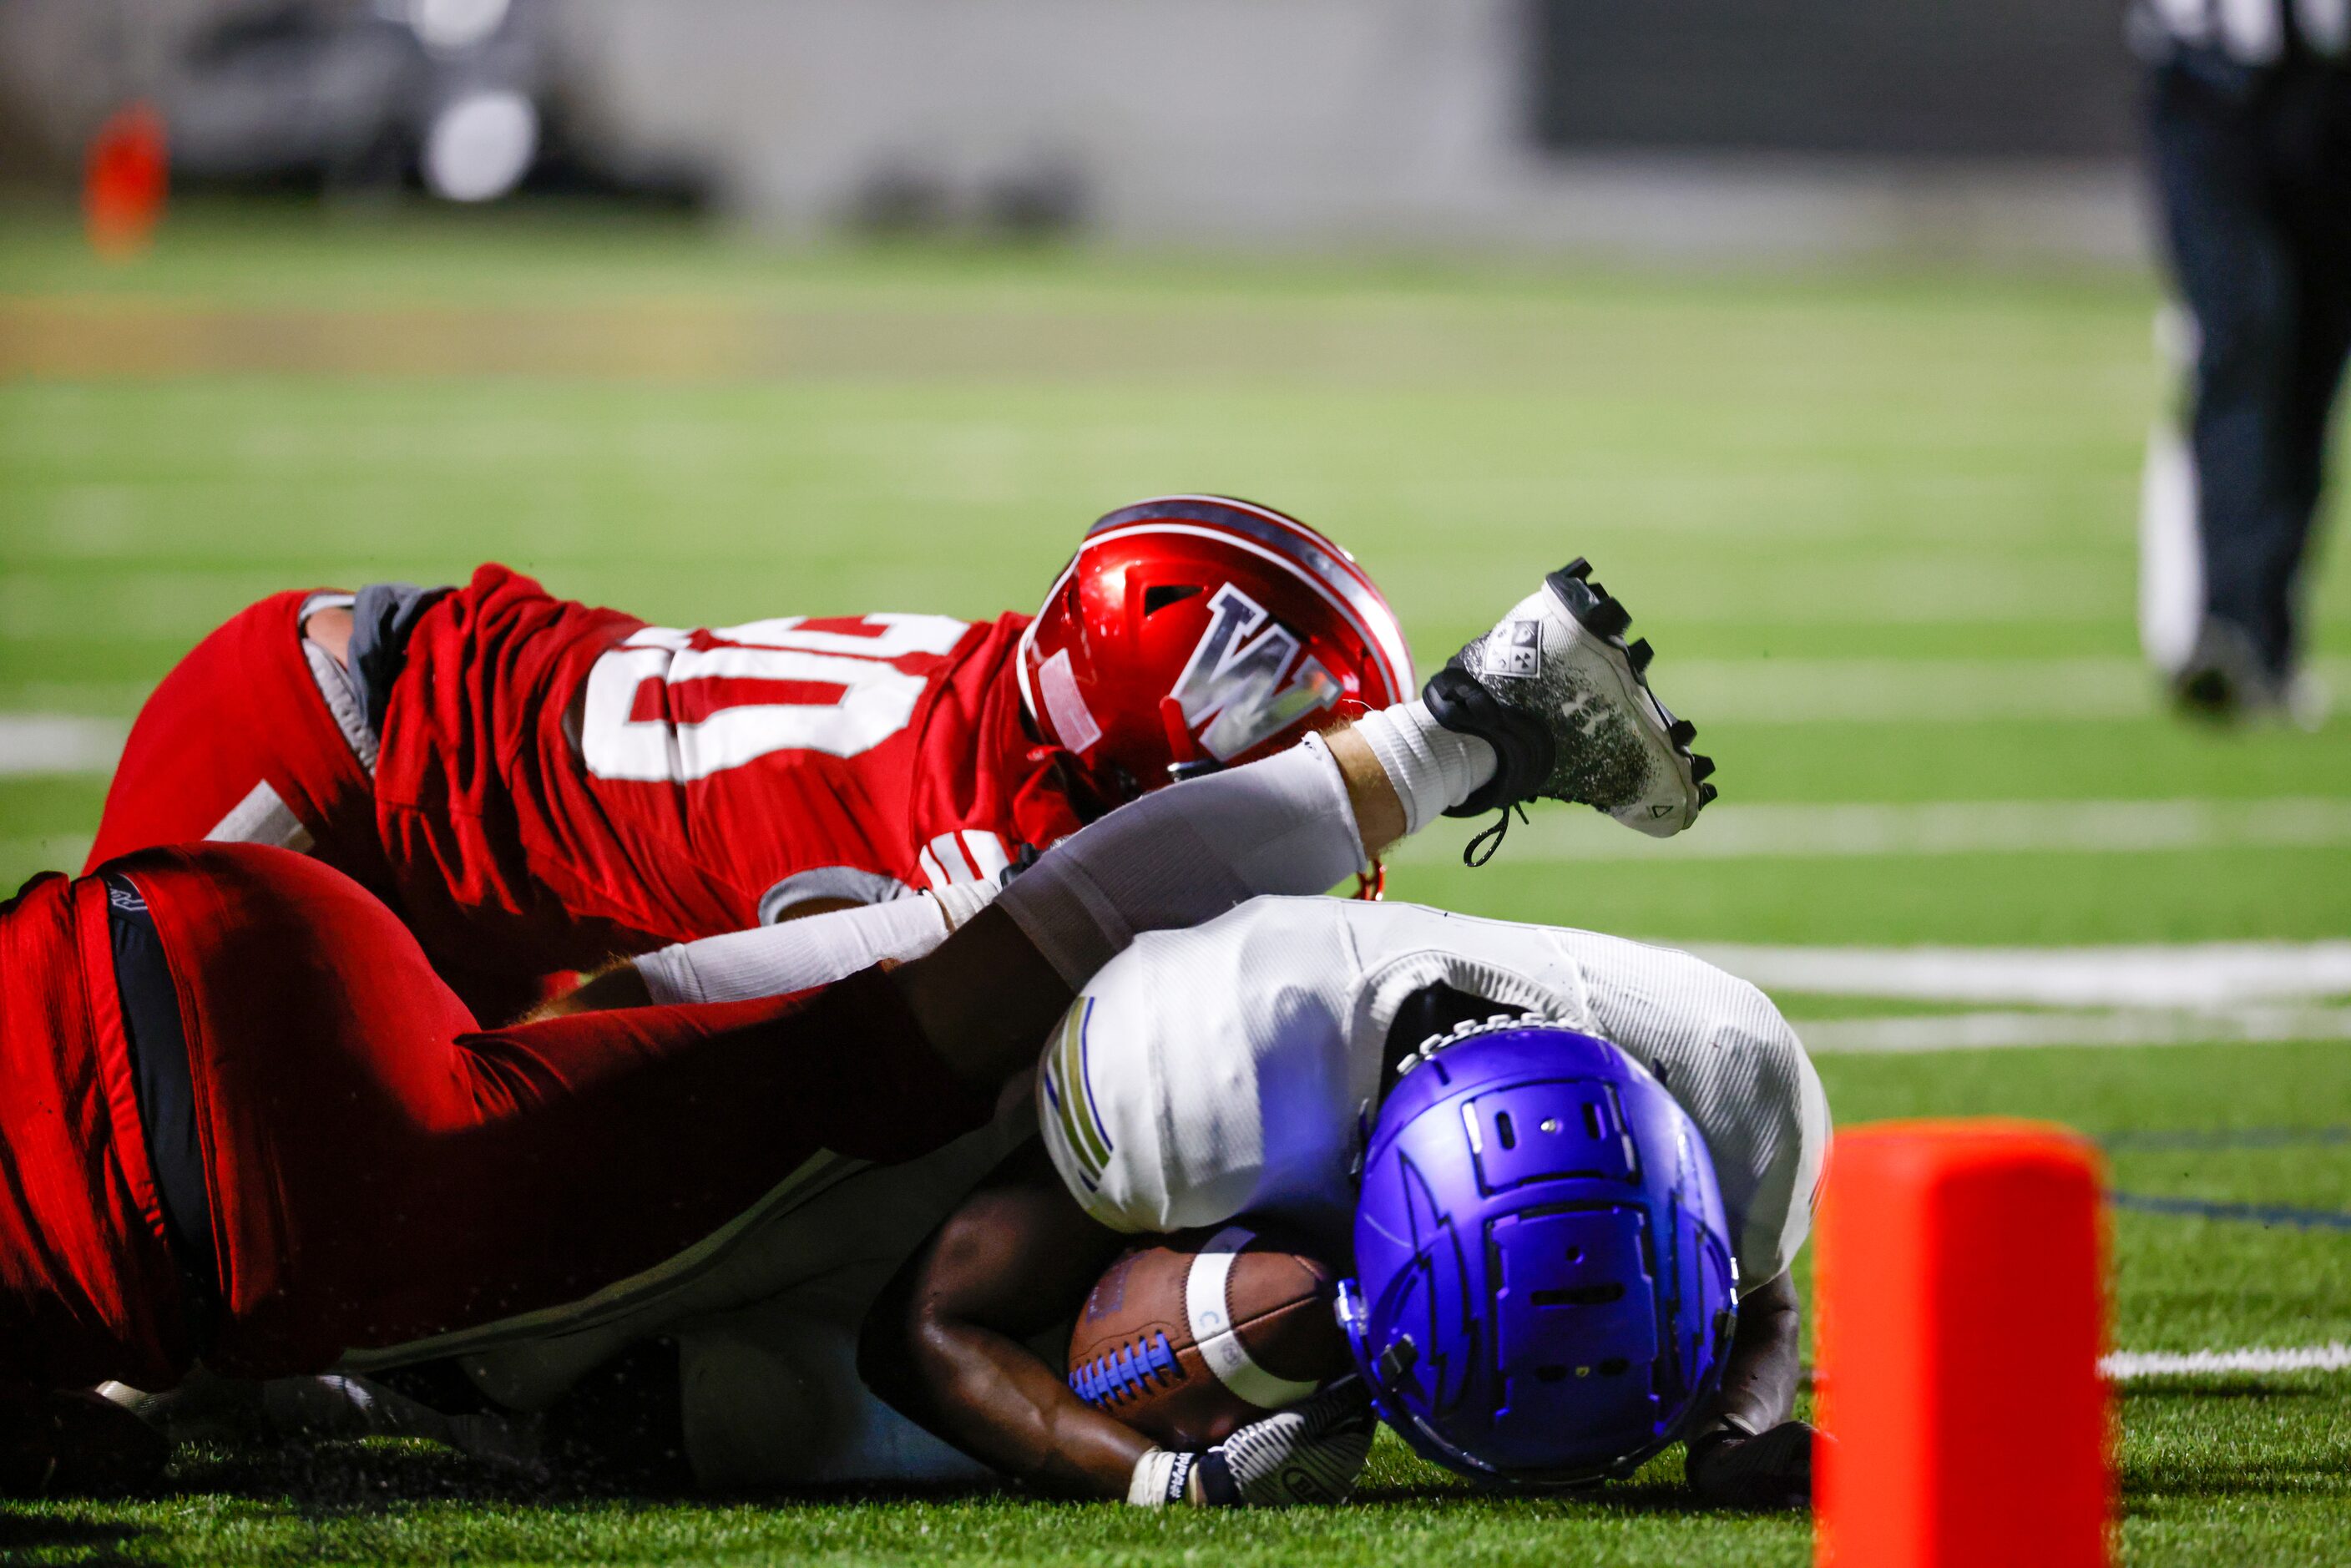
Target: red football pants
point(381, 1170)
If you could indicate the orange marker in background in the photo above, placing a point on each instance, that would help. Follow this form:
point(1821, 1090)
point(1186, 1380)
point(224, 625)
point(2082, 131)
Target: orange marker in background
point(124, 180)
point(1962, 1292)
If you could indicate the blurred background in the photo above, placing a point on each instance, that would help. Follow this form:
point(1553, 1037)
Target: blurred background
point(1826, 329)
point(1736, 126)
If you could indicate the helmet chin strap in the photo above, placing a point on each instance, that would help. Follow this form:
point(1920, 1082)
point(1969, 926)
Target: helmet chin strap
point(1072, 771)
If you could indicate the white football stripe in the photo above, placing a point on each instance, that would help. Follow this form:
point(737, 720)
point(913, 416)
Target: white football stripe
point(986, 853)
point(2125, 1027)
point(1204, 1303)
point(1792, 832)
point(2192, 975)
point(263, 817)
point(37, 744)
point(948, 850)
point(2123, 1365)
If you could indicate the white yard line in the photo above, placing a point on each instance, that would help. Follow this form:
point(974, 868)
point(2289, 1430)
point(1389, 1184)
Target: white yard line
point(2193, 993)
point(2189, 975)
point(1893, 691)
point(1741, 691)
point(34, 744)
point(2124, 1365)
point(1794, 832)
point(2121, 1027)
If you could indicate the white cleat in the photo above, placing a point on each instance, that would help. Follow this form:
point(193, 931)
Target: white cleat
point(1566, 704)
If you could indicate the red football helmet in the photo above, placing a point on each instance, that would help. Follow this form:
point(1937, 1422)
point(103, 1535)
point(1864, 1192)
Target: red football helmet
point(1191, 631)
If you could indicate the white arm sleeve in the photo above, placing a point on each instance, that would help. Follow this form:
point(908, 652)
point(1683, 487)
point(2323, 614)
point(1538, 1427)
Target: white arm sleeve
point(776, 960)
point(1183, 856)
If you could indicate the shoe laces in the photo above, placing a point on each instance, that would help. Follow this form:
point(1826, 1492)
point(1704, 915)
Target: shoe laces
point(1490, 837)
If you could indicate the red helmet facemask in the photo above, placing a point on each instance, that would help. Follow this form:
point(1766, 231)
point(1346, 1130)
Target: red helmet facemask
point(1190, 632)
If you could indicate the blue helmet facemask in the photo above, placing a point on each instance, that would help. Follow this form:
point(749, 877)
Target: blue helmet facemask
point(1544, 1290)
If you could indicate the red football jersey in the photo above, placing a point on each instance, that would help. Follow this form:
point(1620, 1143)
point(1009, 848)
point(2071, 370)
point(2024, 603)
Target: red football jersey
point(564, 783)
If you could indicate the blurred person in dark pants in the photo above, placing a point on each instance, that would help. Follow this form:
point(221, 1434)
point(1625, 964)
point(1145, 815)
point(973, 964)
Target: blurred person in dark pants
point(2248, 107)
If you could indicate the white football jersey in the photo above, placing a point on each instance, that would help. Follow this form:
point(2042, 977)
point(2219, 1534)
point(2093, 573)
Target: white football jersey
point(1234, 1069)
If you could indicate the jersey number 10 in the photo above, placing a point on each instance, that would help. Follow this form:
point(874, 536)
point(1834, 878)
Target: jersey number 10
point(720, 699)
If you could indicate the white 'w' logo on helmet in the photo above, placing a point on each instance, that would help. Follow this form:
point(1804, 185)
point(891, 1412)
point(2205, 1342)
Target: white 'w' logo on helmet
point(1235, 677)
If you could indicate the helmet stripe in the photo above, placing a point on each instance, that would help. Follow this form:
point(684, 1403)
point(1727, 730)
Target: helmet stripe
point(1027, 650)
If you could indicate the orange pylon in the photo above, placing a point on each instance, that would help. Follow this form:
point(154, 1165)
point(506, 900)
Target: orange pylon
point(124, 180)
point(1961, 1292)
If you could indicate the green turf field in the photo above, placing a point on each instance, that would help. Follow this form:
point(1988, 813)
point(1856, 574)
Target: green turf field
point(1879, 528)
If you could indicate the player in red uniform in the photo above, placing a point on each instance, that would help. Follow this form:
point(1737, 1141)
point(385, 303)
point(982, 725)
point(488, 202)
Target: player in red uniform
point(537, 786)
point(240, 1119)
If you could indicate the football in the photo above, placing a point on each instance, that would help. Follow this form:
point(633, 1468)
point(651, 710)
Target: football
point(1193, 1336)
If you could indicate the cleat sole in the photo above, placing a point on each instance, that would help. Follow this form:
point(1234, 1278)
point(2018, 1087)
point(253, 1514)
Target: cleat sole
point(1605, 619)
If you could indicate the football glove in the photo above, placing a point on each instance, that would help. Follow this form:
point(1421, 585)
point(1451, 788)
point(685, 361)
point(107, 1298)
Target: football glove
point(1311, 1452)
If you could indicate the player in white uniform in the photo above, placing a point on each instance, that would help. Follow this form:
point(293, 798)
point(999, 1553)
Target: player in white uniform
point(1231, 1070)
point(1235, 1069)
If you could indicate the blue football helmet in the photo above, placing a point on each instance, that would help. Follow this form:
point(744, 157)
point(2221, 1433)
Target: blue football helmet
point(1544, 1289)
